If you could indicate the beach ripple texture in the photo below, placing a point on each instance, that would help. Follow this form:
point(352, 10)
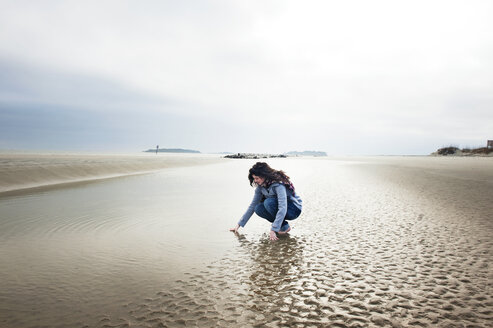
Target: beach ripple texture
point(382, 242)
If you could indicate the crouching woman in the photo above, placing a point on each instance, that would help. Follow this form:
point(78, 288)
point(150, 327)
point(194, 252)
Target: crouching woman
point(274, 200)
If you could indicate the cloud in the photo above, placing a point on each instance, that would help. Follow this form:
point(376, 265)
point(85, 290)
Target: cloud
point(325, 71)
point(25, 83)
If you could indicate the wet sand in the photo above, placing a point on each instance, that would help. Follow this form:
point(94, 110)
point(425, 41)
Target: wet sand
point(382, 242)
point(31, 170)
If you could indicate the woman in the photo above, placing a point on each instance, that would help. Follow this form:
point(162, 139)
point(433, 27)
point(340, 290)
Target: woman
point(274, 199)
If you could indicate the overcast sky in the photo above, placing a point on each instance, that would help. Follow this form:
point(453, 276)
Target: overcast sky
point(345, 77)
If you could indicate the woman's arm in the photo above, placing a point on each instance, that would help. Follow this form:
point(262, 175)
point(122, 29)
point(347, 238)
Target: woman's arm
point(250, 210)
point(282, 207)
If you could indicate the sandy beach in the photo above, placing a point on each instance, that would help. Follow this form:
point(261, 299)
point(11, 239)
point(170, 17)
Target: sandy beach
point(31, 170)
point(382, 242)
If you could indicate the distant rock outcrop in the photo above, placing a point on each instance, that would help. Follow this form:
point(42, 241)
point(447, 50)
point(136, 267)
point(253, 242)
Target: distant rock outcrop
point(288, 154)
point(172, 150)
point(254, 156)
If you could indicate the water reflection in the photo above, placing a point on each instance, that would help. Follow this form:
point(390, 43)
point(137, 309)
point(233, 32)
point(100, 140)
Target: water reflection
point(273, 274)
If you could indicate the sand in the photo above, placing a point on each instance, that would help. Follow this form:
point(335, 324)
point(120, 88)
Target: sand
point(31, 170)
point(381, 242)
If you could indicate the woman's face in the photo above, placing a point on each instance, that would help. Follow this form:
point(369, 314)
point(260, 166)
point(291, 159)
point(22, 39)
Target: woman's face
point(258, 180)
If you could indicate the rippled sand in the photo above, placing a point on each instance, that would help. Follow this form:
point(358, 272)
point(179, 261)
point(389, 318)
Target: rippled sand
point(382, 242)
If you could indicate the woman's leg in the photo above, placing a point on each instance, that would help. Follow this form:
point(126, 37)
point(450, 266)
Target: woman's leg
point(293, 212)
point(262, 211)
point(269, 211)
point(270, 205)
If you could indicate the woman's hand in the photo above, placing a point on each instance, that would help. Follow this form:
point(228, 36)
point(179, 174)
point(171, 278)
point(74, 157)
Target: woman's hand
point(235, 229)
point(273, 236)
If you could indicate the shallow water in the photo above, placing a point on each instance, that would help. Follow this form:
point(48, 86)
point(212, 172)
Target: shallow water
point(31, 170)
point(381, 242)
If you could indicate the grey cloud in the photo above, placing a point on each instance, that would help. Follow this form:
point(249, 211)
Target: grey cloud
point(27, 83)
point(369, 77)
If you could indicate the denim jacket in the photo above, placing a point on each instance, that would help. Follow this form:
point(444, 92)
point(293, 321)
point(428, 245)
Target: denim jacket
point(275, 190)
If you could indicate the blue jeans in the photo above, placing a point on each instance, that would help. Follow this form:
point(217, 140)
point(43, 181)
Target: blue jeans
point(268, 210)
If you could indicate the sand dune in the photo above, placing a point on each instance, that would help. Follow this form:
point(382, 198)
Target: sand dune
point(21, 171)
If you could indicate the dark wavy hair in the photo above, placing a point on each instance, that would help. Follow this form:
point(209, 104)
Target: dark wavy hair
point(270, 175)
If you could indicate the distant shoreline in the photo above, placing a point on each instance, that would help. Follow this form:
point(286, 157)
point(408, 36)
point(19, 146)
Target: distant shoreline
point(172, 150)
point(465, 152)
